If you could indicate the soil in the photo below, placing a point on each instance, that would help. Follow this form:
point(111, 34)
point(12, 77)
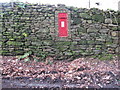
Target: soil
point(79, 73)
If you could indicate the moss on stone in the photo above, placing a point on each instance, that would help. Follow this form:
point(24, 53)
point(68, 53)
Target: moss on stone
point(98, 18)
point(76, 20)
point(81, 30)
point(62, 43)
point(106, 57)
point(47, 42)
point(85, 15)
point(15, 43)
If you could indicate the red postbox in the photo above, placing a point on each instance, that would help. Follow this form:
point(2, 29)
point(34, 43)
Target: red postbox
point(62, 24)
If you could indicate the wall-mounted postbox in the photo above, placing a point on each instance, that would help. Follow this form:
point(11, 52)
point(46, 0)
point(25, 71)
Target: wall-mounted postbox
point(62, 24)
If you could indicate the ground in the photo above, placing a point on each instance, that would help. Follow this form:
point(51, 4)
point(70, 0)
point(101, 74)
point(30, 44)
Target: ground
point(79, 73)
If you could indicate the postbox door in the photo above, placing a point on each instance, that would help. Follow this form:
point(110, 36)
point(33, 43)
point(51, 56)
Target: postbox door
point(62, 25)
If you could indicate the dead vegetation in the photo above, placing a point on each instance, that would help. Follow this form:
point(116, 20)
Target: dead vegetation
point(83, 72)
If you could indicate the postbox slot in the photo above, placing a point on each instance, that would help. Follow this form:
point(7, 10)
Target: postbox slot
point(62, 18)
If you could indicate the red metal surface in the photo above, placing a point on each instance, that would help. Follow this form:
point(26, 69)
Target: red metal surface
point(62, 24)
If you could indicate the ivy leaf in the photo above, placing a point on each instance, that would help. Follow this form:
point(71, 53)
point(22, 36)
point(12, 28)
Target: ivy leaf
point(24, 34)
point(25, 55)
point(36, 59)
point(27, 59)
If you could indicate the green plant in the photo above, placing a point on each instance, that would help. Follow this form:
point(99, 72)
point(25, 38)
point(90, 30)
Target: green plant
point(49, 62)
point(28, 56)
point(106, 57)
point(103, 56)
point(25, 57)
point(24, 34)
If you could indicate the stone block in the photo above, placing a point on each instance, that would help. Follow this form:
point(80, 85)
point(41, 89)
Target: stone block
point(108, 21)
point(85, 15)
point(115, 33)
point(68, 53)
point(36, 43)
point(47, 42)
point(62, 43)
point(92, 29)
point(98, 18)
point(104, 31)
point(14, 43)
point(117, 50)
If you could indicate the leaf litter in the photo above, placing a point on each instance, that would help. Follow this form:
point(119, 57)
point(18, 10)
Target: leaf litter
point(80, 73)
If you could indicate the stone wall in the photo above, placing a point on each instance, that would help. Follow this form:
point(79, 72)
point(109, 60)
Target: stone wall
point(28, 27)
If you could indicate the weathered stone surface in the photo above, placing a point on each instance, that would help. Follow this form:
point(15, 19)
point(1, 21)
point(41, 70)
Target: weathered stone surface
point(103, 30)
point(108, 21)
point(85, 16)
point(118, 49)
point(92, 29)
point(98, 17)
point(115, 33)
